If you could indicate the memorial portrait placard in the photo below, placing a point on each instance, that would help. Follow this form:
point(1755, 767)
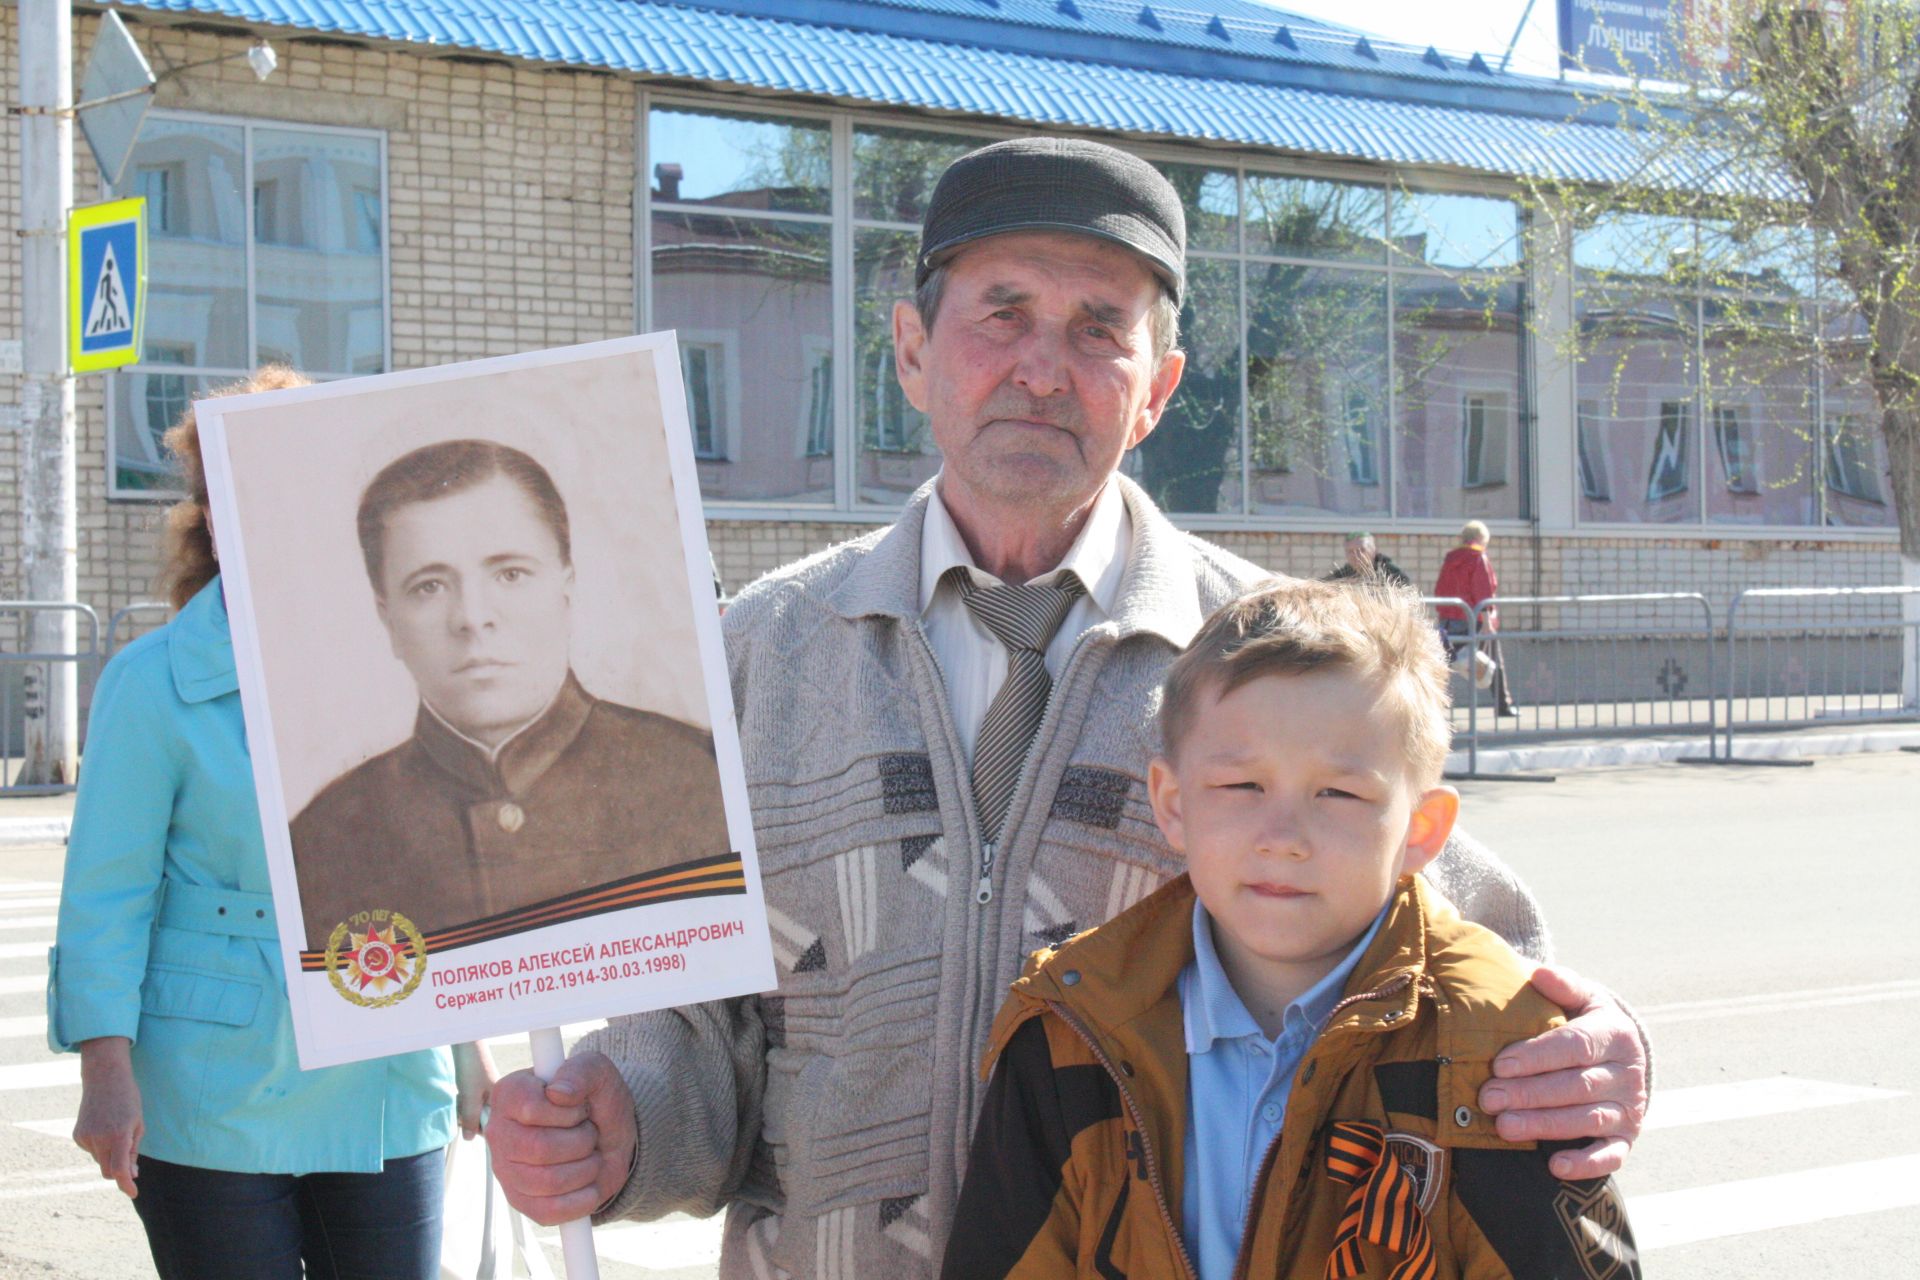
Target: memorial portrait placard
point(486, 697)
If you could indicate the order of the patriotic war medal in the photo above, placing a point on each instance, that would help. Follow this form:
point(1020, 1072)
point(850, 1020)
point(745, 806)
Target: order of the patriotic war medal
point(376, 958)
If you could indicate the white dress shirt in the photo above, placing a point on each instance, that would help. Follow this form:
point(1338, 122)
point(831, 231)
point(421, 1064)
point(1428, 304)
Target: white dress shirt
point(972, 659)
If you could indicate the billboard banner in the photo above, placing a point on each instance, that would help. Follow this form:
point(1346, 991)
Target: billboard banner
point(1620, 37)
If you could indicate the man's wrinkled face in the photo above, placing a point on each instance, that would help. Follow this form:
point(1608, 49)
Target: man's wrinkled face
point(1360, 553)
point(1038, 374)
point(477, 602)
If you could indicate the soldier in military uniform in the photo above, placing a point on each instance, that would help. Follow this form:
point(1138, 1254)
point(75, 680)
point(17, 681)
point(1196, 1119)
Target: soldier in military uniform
point(518, 785)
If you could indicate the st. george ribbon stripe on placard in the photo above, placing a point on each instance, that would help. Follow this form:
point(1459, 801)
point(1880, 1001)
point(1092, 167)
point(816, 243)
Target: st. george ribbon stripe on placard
point(702, 878)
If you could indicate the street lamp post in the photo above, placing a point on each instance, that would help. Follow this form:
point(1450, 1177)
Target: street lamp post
point(48, 534)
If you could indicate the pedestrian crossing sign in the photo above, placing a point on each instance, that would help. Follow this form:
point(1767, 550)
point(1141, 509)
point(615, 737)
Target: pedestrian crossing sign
point(107, 275)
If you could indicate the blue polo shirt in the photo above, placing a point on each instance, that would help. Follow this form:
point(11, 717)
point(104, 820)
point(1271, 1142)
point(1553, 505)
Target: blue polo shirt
point(1237, 1087)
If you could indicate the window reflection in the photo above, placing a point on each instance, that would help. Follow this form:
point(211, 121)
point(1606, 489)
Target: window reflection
point(1712, 314)
point(1854, 466)
point(1457, 395)
point(1317, 389)
point(1760, 384)
point(897, 453)
point(192, 174)
point(1637, 382)
point(1191, 461)
point(1211, 198)
point(894, 170)
point(750, 299)
point(320, 304)
point(143, 406)
point(1470, 233)
point(1308, 218)
point(739, 161)
point(313, 217)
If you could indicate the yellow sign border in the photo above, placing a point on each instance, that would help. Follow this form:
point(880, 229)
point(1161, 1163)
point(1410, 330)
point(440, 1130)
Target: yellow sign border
point(85, 218)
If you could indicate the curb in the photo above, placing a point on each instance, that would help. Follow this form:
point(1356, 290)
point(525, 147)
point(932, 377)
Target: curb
point(1648, 751)
point(19, 832)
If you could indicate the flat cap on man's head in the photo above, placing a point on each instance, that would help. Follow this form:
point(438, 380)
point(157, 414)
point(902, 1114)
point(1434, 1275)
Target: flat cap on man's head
point(1057, 184)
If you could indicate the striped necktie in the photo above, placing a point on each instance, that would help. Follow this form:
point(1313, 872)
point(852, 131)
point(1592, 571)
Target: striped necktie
point(1024, 618)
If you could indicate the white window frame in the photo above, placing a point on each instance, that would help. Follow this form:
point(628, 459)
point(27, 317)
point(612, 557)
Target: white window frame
point(811, 443)
point(1590, 453)
point(1734, 444)
point(1681, 437)
point(1485, 467)
point(217, 374)
point(1849, 469)
point(727, 428)
point(1357, 438)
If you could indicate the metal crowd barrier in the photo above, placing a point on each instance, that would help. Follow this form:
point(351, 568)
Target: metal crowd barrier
point(139, 609)
point(25, 676)
point(1588, 666)
point(1575, 666)
point(1799, 656)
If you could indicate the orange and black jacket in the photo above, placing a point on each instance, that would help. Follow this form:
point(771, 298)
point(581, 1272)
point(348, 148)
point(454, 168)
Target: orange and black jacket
point(1385, 1165)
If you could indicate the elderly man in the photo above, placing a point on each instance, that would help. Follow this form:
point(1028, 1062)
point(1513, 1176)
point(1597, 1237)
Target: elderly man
point(1364, 561)
point(946, 726)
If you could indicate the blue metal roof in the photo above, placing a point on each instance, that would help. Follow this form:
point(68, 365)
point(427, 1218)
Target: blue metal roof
point(1016, 61)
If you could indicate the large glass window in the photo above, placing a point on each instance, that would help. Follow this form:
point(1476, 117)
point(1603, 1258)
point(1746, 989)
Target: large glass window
point(1317, 390)
point(1351, 349)
point(740, 255)
point(1854, 472)
point(1700, 374)
point(265, 244)
point(894, 172)
point(1458, 393)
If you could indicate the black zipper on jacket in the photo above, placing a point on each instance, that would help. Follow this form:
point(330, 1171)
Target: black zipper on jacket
point(1139, 1125)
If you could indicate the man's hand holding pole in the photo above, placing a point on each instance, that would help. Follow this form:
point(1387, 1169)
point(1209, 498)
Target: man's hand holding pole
point(564, 1148)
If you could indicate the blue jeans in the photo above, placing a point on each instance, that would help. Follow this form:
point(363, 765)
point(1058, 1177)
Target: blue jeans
point(208, 1224)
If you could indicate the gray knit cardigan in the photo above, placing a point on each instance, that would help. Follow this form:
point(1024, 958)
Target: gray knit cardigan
point(832, 1116)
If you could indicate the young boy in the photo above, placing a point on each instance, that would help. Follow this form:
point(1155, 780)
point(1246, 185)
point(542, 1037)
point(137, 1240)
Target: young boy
point(1269, 1068)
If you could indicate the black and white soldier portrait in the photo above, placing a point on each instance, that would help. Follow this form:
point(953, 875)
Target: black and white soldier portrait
point(518, 786)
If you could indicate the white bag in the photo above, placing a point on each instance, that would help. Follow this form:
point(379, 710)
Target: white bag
point(480, 1232)
point(1483, 666)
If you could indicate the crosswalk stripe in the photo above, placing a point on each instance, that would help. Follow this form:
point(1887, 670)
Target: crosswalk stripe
point(1668, 1218)
point(1745, 1099)
point(25, 950)
point(40, 1075)
point(28, 922)
point(23, 904)
point(26, 1025)
point(15, 984)
point(27, 886)
point(1772, 1002)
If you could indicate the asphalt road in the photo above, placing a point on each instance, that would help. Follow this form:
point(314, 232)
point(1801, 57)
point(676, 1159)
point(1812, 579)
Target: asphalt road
point(1759, 920)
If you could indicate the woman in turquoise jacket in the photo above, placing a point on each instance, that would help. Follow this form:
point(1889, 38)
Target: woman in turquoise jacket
point(167, 979)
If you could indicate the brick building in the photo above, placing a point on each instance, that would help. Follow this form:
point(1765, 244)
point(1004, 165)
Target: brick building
point(1378, 333)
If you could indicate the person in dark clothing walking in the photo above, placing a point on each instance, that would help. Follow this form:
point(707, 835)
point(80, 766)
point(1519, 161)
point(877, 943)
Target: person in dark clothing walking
point(1365, 561)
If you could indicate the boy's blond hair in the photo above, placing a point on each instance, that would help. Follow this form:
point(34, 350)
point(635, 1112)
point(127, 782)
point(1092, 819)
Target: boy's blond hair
point(1376, 630)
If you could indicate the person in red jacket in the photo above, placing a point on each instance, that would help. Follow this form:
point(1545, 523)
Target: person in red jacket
point(1467, 574)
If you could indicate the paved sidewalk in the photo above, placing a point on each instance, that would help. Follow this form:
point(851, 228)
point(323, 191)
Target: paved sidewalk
point(1599, 753)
